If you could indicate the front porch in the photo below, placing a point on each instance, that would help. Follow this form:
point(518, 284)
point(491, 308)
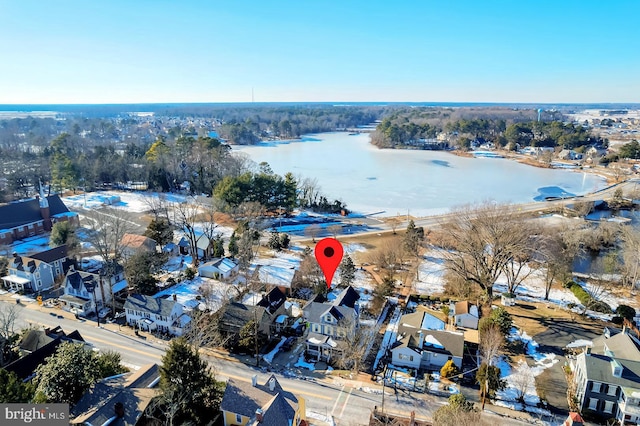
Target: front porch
point(76, 305)
point(15, 283)
point(321, 348)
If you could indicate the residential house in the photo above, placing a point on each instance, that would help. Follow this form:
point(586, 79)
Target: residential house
point(219, 268)
point(38, 345)
point(36, 272)
point(133, 243)
point(31, 217)
point(118, 400)
point(205, 247)
point(465, 314)
point(255, 404)
point(607, 378)
point(331, 322)
point(423, 348)
point(270, 312)
point(274, 303)
point(149, 313)
point(425, 318)
point(85, 292)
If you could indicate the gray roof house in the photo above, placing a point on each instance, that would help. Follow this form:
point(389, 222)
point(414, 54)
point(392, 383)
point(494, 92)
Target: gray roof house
point(419, 346)
point(265, 405)
point(330, 322)
point(150, 313)
point(607, 378)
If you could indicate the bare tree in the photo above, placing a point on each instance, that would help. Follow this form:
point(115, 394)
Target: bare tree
point(9, 314)
point(313, 231)
point(522, 380)
point(106, 228)
point(335, 230)
point(387, 255)
point(517, 270)
point(309, 191)
point(491, 342)
point(158, 205)
point(394, 222)
point(356, 345)
point(481, 241)
point(186, 217)
point(630, 256)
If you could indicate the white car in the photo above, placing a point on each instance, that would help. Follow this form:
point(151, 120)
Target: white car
point(104, 312)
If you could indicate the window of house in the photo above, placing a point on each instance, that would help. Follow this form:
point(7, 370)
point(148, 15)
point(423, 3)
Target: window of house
point(608, 406)
point(316, 328)
point(612, 390)
point(405, 357)
point(328, 330)
point(593, 404)
point(595, 387)
point(327, 318)
point(239, 418)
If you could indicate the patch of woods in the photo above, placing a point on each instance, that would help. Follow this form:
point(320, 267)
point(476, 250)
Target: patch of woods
point(167, 152)
point(505, 128)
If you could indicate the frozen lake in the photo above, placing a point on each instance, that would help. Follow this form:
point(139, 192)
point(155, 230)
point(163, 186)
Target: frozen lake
point(371, 180)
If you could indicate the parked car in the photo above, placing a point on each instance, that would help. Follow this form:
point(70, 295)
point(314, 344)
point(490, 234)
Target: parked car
point(288, 344)
point(104, 312)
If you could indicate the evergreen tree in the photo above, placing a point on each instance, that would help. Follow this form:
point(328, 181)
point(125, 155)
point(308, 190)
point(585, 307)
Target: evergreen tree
point(13, 390)
point(413, 237)
point(218, 246)
point(274, 241)
point(160, 231)
point(138, 273)
point(109, 364)
point(189, 391)
point(64, 233)
point(233, 245)
point(347, 271)
point(66, 375)
point(285, 240)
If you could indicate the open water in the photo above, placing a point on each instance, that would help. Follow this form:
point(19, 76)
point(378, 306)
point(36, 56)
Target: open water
point(370, 180)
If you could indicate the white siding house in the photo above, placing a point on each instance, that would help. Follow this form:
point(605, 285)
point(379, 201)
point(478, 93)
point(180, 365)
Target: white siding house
point(155, 314)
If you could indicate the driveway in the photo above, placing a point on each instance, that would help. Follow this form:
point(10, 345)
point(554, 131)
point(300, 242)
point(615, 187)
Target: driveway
point(559, 334)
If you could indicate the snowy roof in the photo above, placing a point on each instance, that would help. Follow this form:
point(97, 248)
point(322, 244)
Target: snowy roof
point(429, 340)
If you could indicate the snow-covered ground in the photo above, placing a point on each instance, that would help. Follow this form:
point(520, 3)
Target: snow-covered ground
point(521, 377)
point(430, 274)
point(136, 202)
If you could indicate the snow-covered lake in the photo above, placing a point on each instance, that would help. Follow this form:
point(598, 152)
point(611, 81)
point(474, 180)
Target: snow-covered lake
point(371, 180)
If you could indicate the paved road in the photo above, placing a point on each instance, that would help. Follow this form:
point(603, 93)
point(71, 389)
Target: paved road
point(348, 402)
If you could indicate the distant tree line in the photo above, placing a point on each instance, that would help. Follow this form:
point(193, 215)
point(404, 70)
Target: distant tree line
point(510, 129)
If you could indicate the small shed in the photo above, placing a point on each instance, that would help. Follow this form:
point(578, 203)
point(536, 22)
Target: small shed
point(221, 268)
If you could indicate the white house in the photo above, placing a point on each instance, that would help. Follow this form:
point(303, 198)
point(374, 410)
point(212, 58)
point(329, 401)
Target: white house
point(221, 268)
point(148, 313)
point(464, 314)
point(84, 292)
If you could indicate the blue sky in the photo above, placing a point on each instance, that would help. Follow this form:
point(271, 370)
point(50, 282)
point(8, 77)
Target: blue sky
point(127, 51)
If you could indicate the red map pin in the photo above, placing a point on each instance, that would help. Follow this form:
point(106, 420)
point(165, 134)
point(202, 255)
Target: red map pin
point(329, 255)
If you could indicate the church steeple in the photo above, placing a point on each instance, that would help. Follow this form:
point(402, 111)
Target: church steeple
point(44, 204)
point(44, 210)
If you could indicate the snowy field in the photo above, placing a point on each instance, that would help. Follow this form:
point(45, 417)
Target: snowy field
point(135, 202)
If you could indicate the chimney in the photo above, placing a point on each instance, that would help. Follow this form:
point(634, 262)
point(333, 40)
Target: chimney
point(175, 298)
point(254, 380)
point(259, 415)
point(272, 384)
point(420, 339)
point(587, 350)
point(119, 410)
point(412, 420)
